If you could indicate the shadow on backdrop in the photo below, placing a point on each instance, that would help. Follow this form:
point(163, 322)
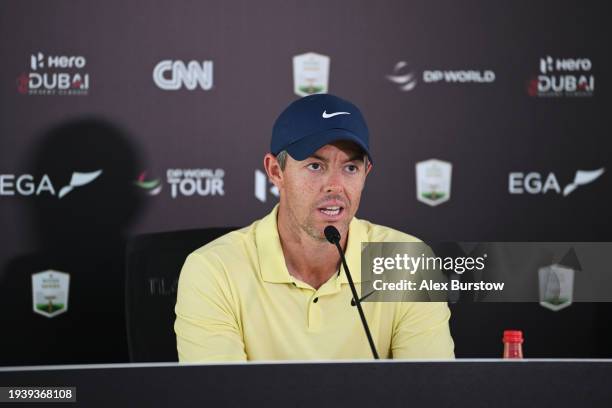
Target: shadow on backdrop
point(77, 227)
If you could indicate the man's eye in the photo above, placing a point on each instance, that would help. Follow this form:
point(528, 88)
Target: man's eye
point(314, 166)
point(352, 168)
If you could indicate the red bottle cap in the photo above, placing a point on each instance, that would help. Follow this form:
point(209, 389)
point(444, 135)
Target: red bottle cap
point(513, 336)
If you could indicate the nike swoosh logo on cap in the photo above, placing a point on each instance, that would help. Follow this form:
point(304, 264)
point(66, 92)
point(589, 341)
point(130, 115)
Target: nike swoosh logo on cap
point(331, 115)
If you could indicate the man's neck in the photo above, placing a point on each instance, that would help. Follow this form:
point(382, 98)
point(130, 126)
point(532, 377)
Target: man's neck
point(310, 260)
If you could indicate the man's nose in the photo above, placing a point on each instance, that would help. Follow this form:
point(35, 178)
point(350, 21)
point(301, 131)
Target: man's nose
point(334, 182)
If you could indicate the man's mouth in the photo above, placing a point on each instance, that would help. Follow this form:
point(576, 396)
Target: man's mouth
point(331, 211)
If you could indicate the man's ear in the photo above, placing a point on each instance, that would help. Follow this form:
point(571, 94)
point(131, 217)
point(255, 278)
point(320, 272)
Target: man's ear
point(369, 168)
point(272, 167)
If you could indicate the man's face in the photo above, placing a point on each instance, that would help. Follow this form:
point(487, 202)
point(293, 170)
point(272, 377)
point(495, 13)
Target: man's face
point(325, 189)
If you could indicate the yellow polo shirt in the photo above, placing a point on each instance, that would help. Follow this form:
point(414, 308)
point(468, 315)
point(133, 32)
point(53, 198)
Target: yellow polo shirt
point(237, 301)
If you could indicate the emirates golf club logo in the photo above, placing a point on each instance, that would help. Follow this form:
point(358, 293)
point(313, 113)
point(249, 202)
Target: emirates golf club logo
point(310, 74)
point(50, 291)
point(433, 181)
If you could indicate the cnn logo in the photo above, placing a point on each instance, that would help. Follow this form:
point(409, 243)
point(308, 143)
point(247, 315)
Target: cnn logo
point(172, 75)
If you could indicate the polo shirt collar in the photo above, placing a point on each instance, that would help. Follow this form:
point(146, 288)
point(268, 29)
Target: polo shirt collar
point(269, 250)
point(272, 261)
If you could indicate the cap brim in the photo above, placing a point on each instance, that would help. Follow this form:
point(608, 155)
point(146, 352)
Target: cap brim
point(304, 148)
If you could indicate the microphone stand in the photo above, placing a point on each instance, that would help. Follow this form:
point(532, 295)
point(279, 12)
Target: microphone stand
point(333, 236)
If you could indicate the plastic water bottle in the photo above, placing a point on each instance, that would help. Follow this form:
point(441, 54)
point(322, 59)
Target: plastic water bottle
point(513, 344)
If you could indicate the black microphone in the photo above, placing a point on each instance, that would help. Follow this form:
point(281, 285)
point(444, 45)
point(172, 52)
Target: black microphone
point(333, 236)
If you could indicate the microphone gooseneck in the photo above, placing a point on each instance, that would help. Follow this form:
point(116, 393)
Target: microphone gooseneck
point(333, 236)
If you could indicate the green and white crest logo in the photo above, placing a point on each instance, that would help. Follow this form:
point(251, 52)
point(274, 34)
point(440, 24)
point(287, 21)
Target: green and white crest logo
point(433, 180)
point(310, 74)
point(556, 286)
point(50, 292)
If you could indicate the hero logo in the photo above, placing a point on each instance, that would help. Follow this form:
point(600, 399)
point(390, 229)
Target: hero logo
point(171, 75)
point(189, 182)
point(534, 183)
point(38, 61)
point(563, 77)
point(53, 81)
point(406, 78)
point(26, 185)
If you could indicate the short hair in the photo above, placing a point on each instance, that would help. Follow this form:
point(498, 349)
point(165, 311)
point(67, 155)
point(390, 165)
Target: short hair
point(281, 157)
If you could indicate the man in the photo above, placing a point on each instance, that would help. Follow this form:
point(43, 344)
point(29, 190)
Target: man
point(274, 290)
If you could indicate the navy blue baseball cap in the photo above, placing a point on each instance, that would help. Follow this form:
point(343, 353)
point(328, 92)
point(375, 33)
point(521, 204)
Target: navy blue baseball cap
point(311, 122)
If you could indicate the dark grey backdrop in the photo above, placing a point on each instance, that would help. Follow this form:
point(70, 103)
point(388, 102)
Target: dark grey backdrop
point(126, 125)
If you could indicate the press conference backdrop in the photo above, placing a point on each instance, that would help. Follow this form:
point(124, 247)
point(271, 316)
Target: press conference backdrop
point(123, 118)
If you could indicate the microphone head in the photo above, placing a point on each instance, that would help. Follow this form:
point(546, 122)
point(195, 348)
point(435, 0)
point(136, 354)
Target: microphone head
point(332, 234)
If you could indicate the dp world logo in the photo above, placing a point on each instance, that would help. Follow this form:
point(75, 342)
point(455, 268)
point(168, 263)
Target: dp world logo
point(172, 75)
point(151, 187)
point(403, 76)
point(406, 78)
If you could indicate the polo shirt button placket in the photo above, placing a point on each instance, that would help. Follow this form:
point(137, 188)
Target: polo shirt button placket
point(314, 315)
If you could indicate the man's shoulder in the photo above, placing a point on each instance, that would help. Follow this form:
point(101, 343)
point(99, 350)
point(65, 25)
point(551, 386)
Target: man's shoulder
point(230, 246)
point(381, 233)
